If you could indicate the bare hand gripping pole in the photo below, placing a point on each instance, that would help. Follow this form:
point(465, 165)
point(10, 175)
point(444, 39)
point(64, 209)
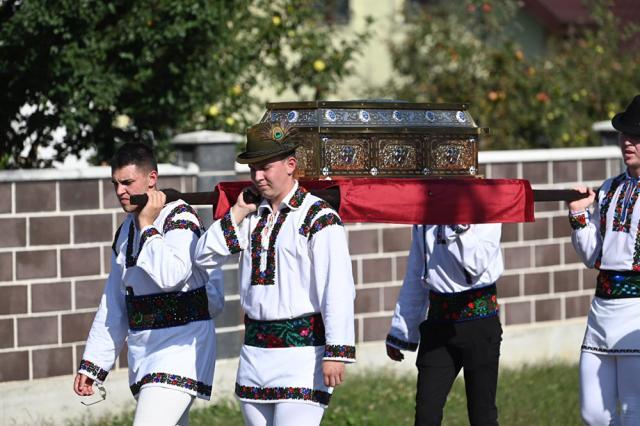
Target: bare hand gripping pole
point(331, 196)
point(194, 198)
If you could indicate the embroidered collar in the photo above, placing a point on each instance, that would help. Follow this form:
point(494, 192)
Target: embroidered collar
point(627, 176)
point(292, 201)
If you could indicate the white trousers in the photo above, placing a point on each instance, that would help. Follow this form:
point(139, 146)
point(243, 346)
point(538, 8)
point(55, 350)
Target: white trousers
point(158, 406)
point(281, 414)
point(609, 382)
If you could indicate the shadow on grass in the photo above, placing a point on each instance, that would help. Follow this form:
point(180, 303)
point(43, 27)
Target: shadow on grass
point(533, 395)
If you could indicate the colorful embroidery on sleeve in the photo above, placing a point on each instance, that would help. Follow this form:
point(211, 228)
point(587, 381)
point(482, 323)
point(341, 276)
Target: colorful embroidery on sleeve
point(340, 351)
point(311, 213)
point(322, 222)
point(93, 369)
point(401, 343)
point(578, 221)
point(171, 224)
point(229, 233)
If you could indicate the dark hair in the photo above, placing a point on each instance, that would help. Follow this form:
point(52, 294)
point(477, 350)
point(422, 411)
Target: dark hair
point(138, 154)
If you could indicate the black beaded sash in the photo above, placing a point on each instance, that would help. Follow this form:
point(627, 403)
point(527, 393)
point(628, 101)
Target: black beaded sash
point(618, 284)
point(302, 331)
point(463, 306)
point(164, 310)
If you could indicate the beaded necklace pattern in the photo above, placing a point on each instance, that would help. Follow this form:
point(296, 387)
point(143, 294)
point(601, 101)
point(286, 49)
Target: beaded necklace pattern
point(266, 276)
point(604, 208)
point(636, 252)
point(624, 206)
point(298, 197)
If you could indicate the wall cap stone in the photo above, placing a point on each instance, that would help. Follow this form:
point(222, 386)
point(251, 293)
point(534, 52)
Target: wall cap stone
point(92, 172)
point(206, 136)
point(552, 154)
point(242, 168)
point(603, 126)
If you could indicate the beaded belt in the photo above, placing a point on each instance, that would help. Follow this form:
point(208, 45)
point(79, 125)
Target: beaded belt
point(164, 310)
point(463, 306)
point(618, 284)
point(302, 331)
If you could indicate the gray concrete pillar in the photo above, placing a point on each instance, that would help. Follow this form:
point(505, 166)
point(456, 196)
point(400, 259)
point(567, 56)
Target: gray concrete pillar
point(214, 152)
point(608, 135)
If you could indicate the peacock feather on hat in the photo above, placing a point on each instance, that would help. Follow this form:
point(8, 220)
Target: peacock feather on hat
point(277, 131)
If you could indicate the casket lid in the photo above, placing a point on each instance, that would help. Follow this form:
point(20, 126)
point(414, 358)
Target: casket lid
point(374, 115)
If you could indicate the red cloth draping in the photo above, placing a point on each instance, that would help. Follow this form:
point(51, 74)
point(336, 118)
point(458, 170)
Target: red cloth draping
point(416, 201)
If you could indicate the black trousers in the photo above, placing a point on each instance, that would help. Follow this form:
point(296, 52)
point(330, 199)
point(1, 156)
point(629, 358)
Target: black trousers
point(445, 348)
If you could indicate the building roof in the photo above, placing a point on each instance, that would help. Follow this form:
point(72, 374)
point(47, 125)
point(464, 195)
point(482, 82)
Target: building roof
point(558, 15)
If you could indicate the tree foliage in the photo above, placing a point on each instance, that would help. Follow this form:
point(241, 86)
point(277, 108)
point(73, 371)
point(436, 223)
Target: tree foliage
point(468, 51)
point(107, 72)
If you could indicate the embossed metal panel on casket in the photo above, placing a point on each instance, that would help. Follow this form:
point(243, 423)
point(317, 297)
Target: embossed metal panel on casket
point(380, 138)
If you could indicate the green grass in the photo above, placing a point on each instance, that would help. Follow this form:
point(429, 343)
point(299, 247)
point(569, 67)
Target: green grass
point(537, 395)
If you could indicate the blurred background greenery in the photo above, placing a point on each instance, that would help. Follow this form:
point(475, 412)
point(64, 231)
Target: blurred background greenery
point(531, 93)
point(94, 74)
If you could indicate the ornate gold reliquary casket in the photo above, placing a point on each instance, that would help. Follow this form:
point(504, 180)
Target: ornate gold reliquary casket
point(381, 138)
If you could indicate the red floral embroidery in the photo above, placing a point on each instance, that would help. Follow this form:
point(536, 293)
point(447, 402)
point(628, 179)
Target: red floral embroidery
point(463, 306)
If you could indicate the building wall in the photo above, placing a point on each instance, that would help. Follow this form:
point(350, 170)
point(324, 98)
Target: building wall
point(55, 241)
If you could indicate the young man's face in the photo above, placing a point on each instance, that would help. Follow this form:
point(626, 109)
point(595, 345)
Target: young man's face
point(132, 180)
point(630, 147)
point(273, 179)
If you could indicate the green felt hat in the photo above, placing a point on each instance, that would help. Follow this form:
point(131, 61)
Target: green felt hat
point(266, 141)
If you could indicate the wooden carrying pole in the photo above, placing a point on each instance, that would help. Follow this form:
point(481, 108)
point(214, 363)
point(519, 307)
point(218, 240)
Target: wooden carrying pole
point(332, 196)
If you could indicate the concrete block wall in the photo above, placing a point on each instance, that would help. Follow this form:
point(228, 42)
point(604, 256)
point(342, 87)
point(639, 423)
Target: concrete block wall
point(55, 237)
point(56, 230)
